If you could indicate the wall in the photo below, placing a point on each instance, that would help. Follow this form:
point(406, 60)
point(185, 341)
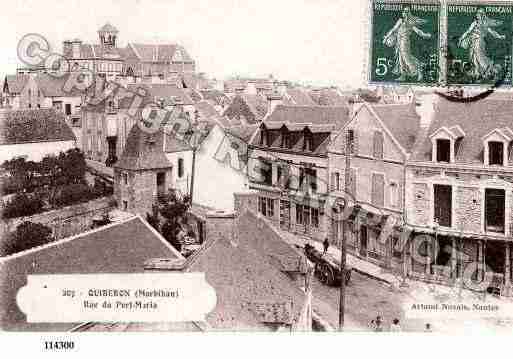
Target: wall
point(391, 166)
point(215, 181)
point(65, 221)
point(181, 184)
point(468, 194)
point(34, 151)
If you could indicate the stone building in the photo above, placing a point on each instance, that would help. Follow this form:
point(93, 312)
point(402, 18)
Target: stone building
point(289, 165)
point(382, 138)
point(460, 191)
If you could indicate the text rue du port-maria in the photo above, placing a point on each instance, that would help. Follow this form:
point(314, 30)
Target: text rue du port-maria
point(122, 298)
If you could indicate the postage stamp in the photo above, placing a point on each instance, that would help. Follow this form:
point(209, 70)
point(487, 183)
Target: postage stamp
point(405, 43)
point(479, 43)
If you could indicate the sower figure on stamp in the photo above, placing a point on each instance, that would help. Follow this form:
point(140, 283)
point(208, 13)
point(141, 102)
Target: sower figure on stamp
point(406, 65)
point(474, 39)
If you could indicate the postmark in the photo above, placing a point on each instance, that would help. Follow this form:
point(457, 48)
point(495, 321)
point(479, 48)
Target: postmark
point(479, 44)
point(405, 38)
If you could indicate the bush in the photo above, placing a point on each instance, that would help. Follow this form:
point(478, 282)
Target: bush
point(27, 235)
point(22, 205)
point(73, 193)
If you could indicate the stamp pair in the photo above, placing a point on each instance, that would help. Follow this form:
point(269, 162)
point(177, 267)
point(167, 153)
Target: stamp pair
point(427, 43)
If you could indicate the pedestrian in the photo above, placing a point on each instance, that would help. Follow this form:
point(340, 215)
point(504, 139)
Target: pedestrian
point(377, 324)
point(326, 245)
point(395, 327)
point(428, 329)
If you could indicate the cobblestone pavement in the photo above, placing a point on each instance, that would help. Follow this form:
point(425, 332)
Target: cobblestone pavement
point(365, 299)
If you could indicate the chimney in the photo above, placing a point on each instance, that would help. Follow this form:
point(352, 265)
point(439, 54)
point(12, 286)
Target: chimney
point(75, 48)
point(67, 48)
point(273, 100)
point(426, 108)
point(220, 225)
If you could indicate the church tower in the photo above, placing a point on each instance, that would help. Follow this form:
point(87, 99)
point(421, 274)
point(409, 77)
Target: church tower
point(108, 35)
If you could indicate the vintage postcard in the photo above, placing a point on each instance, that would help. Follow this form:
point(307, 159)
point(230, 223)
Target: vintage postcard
point(286, 166)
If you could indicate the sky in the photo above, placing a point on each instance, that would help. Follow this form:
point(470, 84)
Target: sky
point(310, 41)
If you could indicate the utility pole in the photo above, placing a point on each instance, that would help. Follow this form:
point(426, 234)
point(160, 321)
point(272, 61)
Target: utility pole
point(343, 247)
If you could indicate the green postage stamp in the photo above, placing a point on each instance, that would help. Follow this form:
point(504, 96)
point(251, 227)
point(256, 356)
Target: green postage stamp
point(405, 39)
point(479, 43)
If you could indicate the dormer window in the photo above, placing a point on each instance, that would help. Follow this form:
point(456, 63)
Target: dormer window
point(444, 143)
point(495, 145)
point(285, 139)
point(264, 137)
point(495, 153)
point(443, 150)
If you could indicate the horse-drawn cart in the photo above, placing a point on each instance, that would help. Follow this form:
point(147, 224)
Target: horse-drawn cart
point(327, 268)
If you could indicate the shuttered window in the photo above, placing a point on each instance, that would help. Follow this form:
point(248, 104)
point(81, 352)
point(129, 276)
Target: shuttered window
point(378, 145)
point(378, 192)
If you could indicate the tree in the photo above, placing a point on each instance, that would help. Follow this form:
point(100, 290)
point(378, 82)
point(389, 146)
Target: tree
point(72, 165)
point(21, 205)
point(27, 235)
point(173, 208)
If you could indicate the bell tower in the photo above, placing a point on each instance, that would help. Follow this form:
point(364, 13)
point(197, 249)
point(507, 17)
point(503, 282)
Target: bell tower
point(108, 35)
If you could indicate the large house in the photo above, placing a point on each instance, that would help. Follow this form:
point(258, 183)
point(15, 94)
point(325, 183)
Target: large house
point(460, 190)
point(289, 165)
point(381, 140)
point(136, 62)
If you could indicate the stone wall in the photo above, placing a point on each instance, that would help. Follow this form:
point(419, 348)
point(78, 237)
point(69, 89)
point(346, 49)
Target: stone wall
point(468, 209)
point(66, 221)
point(421, 198)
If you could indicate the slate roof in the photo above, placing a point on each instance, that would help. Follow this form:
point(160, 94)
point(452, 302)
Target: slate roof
point(15, 83)
point(159, 53)
point(402, 121)
point(252, 108)
point(143, 150)
point(243, 132)
point(121, 247)
point(216, 96)
point(247, 274)
point(168, 92)
point(38, 125)
point(97, 51)
point(476, 119)
point(206, 110)
point(312, 115)
point(299, 97)
point(52, 86)
point(321, 121)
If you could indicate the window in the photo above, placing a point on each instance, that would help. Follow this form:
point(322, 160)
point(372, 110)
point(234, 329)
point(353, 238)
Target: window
point(306, 215)
point(265, 168)
point(378, 190)
point(312, 178)
point(299, 214)
point(266, 206)
point(125, 178)
point(308, 141)
point(443, 205)
point(394, 194)
point(180, 167)
point(125, 205)
point(350, 141)
point(495, 210)
point(352, 182)
point(378, 145)
point(336, 180)
point(99, 145)
point(315, 217)
point(302, 172)
point(264, 137)
point(279, 175)
point(285, 140)
point(67, 109)
point(396, 248)
point(443, 150)
point(495, 153)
